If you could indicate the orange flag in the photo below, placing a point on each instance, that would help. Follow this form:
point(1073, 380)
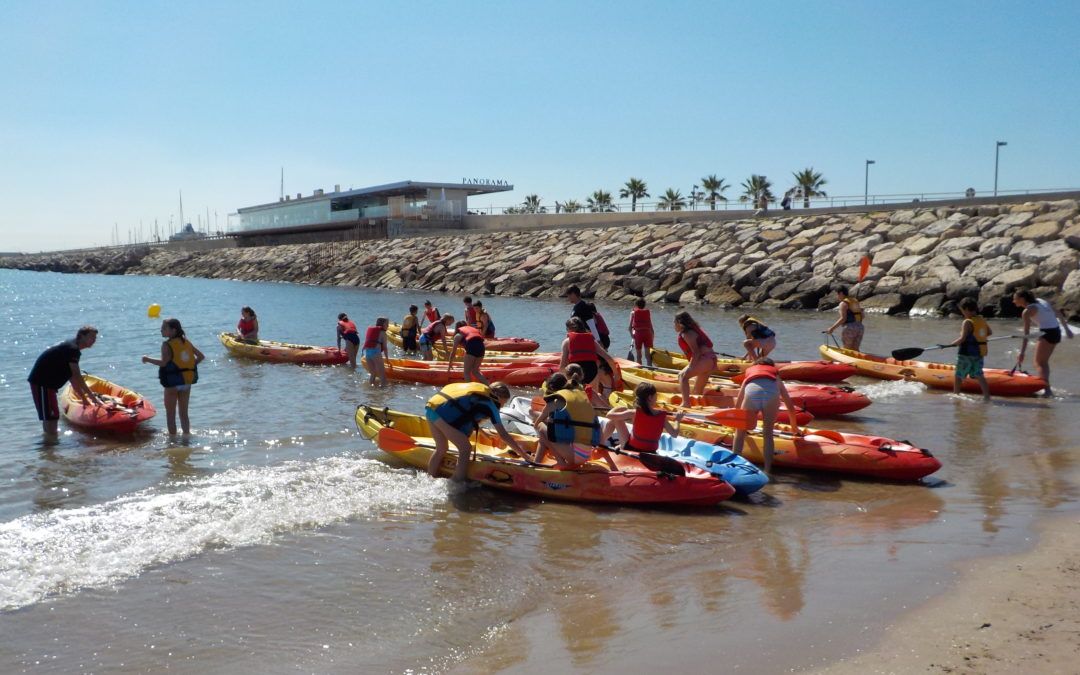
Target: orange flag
point(864, 267)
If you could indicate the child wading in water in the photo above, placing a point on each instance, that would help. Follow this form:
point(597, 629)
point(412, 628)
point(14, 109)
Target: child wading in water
point(974, 332)
point(410, 330)
point(375, 350)
point(178, 369)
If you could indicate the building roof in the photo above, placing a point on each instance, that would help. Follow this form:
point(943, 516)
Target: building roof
point(471, 186)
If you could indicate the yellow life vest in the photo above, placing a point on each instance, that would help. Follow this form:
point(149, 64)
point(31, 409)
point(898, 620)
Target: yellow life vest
point(408, 323)
point(577, 422)
point(854, 310)
point(461, 404)
point(980, 332)
point(181, 368)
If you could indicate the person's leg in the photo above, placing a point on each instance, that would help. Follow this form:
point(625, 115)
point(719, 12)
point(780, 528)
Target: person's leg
point(352, 350)
point(182, 399)
point(749, 346)
point(170, 409)
point(648, 349)
point(464, 447)
point(441, 446)
point(684, 382)
point(957, 381)
point(766, 346)
point(1043, 351)
point(425, 351)
point(768, 418)
point(985, 386)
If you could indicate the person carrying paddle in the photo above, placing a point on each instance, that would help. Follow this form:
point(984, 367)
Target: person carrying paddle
point(178, 369)
point(851, 316)
point(454, 413)
point(55, 367)
point(974, 332)
point(483, 321)
point(582, 348)
point(1041, 312)
point(410, 329)
point(698, 348)
point(472, 342)
point(375, 350)
point(649, 423)
point(761, 391)
point(436, 330)
point(248, 325)
point(641, 331)
point(346, 330)
point(760, 339)
point(568, 427)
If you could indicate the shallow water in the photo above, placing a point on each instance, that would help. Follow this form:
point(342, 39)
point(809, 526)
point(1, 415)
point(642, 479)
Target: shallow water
point(278, 539)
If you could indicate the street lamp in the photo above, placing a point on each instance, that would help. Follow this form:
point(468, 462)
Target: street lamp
point(866, 183)
point(997, 153)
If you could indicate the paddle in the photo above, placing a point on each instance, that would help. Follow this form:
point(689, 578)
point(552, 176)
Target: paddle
point(392, 440)
point(912, 352)
point(653, 461)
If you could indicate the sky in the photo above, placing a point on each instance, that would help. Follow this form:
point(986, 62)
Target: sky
point(111, 109)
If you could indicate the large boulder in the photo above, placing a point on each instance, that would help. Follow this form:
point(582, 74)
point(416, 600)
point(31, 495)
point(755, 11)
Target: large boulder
point(960, 243)
point(901, 232)
point(723, 295)
point(920, 245)
point(1040, 232)
point(963, 258)
point(888, 303)
point(905, 264)
point(1021, 276)
point(1071, 235)
point(1056, 268)
point(901, 217)
point(922, 286)
point(887, 284)
point(1040, 252)
point(1017, 219)
point(928, 305)
point(944, 229)
point(995, 246)
point(962, 288)
point(885, 258)
point(987, 268)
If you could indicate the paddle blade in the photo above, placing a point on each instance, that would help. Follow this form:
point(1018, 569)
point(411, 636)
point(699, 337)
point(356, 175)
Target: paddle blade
point(736, 418)
point(392, 440)
point(907, 353)
point(817, 435)
point(864, 267)
point(659, 463)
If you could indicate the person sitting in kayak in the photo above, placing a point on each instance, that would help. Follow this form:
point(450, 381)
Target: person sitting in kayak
point(600, 389)
point(851, 316)
point(472, 342)
point(568, 427)
point(641, 331)
point(248, 325)
point(375, 350)
point(346, 330)
point(760, 339)
point(483, 321)
point(431, 333)
point(582, 348)
point(974, 332)
point(698, 348)
point(410, 330)
point(761, 391)
point(178, 369)
point(454, 413)
point(648, 422)
point(1041, 312)
point(431, 313)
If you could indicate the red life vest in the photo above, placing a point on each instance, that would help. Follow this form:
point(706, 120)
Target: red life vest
point(243, 326)
point(371, 337)
point(582, 347)
point(704, 343)
point(761, 371)
point(434, 330)
point(346, 327)
point(640, 320)
point(432, 314)
point(468, 333)
point(470, 315)
point(647, 430)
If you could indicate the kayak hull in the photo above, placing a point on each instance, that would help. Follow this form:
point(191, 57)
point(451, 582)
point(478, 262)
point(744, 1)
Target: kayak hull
point(504, 344)
point(282, 352)
point(936, 375)
point(121, 414)
point(717, 460)
point(821, 372)
point(632, 484)
point(519, 374)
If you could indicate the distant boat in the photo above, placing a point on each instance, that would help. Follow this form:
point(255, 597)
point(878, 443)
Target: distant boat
point(187, 233)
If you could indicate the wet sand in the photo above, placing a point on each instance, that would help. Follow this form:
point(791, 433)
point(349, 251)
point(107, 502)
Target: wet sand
point(1006, 614)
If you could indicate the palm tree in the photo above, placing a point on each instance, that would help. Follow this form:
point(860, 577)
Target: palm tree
point(571, 206)
point(634, 189)
point(600, 202)
point(532, 205)
point(714, 190)
point(755, 187)
point(671, 201)
point(810, 182)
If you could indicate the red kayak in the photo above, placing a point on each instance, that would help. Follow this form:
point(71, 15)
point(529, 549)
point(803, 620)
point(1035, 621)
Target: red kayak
point(825, 372)
point(523, 374)
point(121, 411)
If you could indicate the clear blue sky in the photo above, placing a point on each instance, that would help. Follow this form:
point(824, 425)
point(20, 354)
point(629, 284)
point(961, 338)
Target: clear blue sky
point(110, 108)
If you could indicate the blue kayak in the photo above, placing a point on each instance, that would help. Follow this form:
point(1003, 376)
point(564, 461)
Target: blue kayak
point(717, 460)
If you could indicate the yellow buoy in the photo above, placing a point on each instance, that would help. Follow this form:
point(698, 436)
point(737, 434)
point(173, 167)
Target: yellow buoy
point(153, 311)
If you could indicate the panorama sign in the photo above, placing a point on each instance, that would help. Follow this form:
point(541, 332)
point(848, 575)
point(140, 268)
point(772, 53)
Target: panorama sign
point(497, 182)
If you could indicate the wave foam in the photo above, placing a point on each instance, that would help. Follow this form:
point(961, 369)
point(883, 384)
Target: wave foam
point(887, 391)
point(48, 553)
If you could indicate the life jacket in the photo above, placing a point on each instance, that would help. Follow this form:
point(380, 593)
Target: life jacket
point(1047, 318)
point(243, 326)
point(470, 315)
point(432, 314)
point(181, 368)
point(371, 336)
point(975, 343)
point(760, 371)
point(601, 325)
point(854, 311)
point(466, 403)
point(582, 347)
point(640, 320)
point(489, 327)
point(647, 430)
point(347, 327)
point(433, 331)
point(704, 343)
point(408, 323)
point(577, 421)
point(759, 331)
point(468, 334)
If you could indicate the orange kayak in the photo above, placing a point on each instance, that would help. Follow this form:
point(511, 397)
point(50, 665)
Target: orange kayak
point(503, 344)
point(523, 374)
point(122, 410)
point(282, 352)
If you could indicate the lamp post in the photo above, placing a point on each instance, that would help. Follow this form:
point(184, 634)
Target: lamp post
point(866, 183)
point(997, 153)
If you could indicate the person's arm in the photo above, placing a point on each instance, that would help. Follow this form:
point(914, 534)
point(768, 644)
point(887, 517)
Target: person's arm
point(1064, 323)
point(199, 356)
point(1028, 312)
point(549, 407)
point(965, 331)
point(620, 414)
point(255, 330)
point(339, 336)
point(511, 442)
point(453, 350)
point(165, 356)
point(564, 360)
point(793, 419)
point(78, 384)
point(607, 357)
point(841, 320)
point(674, 430)
point(693, 344)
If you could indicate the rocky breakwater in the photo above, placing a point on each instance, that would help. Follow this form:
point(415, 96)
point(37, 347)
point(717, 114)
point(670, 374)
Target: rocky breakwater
point(95, 261)
point(922, 260)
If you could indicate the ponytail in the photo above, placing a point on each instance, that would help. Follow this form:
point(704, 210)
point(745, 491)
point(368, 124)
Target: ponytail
point(642, 393)
point(177, 328)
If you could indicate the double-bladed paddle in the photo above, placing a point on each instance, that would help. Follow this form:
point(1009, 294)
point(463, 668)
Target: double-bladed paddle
point(912, 352)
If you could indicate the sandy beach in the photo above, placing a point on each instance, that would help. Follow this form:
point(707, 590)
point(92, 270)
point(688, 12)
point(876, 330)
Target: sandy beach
point(1006, 614)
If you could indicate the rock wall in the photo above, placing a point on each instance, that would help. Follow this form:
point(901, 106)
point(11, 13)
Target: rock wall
point(923, 260)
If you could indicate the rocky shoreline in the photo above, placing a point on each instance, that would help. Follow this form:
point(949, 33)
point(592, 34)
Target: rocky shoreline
point(923, 260)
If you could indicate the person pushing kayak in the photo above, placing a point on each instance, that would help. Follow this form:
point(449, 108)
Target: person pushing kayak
point(375, 351)
point(454, 413)
point(346, 330)
point(850, 319)
point(1039, 312)
point(567, 427)
point(472, 342)
point(698, 348)
point(761, 391)
point(760, 339)
point(55, 367)
point(431, 333)
point(974, 332)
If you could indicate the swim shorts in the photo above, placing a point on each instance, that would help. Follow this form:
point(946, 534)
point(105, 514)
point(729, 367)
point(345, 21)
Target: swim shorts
point(969, 366)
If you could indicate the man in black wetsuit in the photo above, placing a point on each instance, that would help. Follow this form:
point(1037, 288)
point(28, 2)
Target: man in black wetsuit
point(54, 368)
point(586, 311)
